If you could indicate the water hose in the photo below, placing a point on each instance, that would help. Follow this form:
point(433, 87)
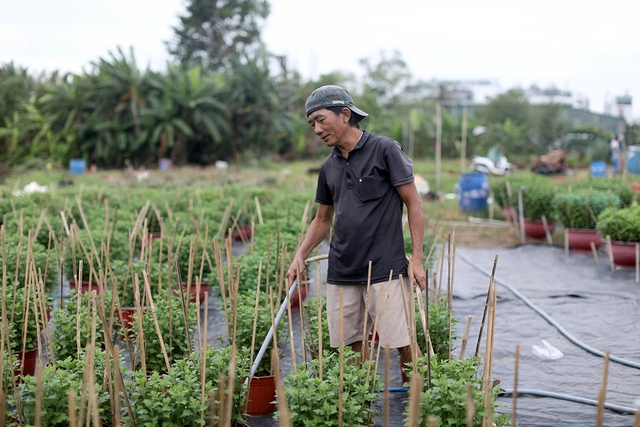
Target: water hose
point(548, 318)
point(283, 307)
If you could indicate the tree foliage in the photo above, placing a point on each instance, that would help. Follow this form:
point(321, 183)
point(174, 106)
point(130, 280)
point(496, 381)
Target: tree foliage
point(213, 33)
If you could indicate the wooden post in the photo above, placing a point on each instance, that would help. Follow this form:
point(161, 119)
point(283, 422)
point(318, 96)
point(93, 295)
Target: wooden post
point(521, 214)
point(546, 230)
point(463, 148)
point(566, 242)
point(515, 387)
point(610, 252)
point(595, 253)
point(637, 262)
point(438, 143)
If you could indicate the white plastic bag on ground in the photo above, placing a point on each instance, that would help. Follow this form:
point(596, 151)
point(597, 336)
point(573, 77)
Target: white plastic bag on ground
point(546, 351)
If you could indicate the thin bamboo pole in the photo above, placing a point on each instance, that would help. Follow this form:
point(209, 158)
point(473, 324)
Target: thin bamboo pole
point(387, 383)
point(545, 225)
point(341, 350)
point(602, 393)
point(610, 253)
point(470, 407)
point(486, 305)
point(283, 408)
point(465, 337)
point(515, 387)
point(594, 251)
point(415, 392)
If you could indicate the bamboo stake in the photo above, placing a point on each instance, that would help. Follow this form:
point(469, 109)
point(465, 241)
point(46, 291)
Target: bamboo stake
point(546, 230)
point(488, 360)
point(365, 332)
point(415, 391)
point(636, 420)
point(465, 337)
point(387, 383)
point(521, 214)
point(71, 399)
point(255, 319)
point(341, 350)
point(140, 341)
point(203, 358)
point(566, 243)
point(486, 304)
point(283, 407)
point(594, 251)
point(444, 244)
point(515, 387)
point(610, 252)
point(603, 391)
point(430, 349)
point(637, 262)
point(319, 314)
point(39, 394)
point(230, 386)
point(450, 294)
point(258, 210)
point(471, 407)
point(152, 307)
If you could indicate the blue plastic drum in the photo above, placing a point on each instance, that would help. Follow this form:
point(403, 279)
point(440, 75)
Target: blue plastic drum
point(77, 166)
point(474, 189)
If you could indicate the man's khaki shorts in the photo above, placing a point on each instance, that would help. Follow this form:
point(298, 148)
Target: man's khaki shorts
point(385, 309)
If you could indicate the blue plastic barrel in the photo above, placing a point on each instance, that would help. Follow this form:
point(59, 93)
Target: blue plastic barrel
point(77, 166)
point(165, 164)
point(633, 159)
point(598, 168)
point(474, 189)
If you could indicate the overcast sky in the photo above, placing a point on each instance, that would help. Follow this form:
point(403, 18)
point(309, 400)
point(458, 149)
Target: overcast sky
point(575, 45)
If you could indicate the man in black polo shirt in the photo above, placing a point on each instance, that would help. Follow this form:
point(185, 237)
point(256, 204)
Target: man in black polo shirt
point(365, 182)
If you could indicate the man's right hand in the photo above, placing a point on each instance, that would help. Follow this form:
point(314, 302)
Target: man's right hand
point(297, 270)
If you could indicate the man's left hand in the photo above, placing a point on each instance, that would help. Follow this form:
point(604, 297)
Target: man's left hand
point(417, 274)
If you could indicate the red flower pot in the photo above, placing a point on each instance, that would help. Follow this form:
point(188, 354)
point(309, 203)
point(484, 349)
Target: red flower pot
point(262, 395)
point(535, 229)
point(242, 231)
point(85, 287)
point(302, 292)
point(580, 239)
point(624, 253)
point(27, 362)
point(204, 287)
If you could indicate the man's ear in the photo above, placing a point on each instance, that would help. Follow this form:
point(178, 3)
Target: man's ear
point(346, 115)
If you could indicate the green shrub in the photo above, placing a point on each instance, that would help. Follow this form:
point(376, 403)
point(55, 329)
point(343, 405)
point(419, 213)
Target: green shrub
point(447, 397)
point(314, 401)
point(622, 225)
point(438, 328)
point(66, 321)
point(581, 209)
point(58, 380)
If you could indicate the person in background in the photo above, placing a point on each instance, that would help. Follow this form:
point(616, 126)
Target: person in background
point(363, 186)
point(614, 153)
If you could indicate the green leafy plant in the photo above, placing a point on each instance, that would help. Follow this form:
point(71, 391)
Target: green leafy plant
point(58, 380)
point(313, 399)
point(580, 210)
point(244, 315)
point(537, 200)
point(16, 251)
point(438, 328)
point(622, 225)
point(311, 312)
point(68, 319)
point(20, 308)
point(174, 398)
point(176, 330)
point(447, 397)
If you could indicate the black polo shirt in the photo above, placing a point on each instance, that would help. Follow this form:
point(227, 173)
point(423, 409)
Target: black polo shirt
point(368, 210)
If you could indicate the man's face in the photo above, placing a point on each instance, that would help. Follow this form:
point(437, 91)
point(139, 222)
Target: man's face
point(329, 127)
